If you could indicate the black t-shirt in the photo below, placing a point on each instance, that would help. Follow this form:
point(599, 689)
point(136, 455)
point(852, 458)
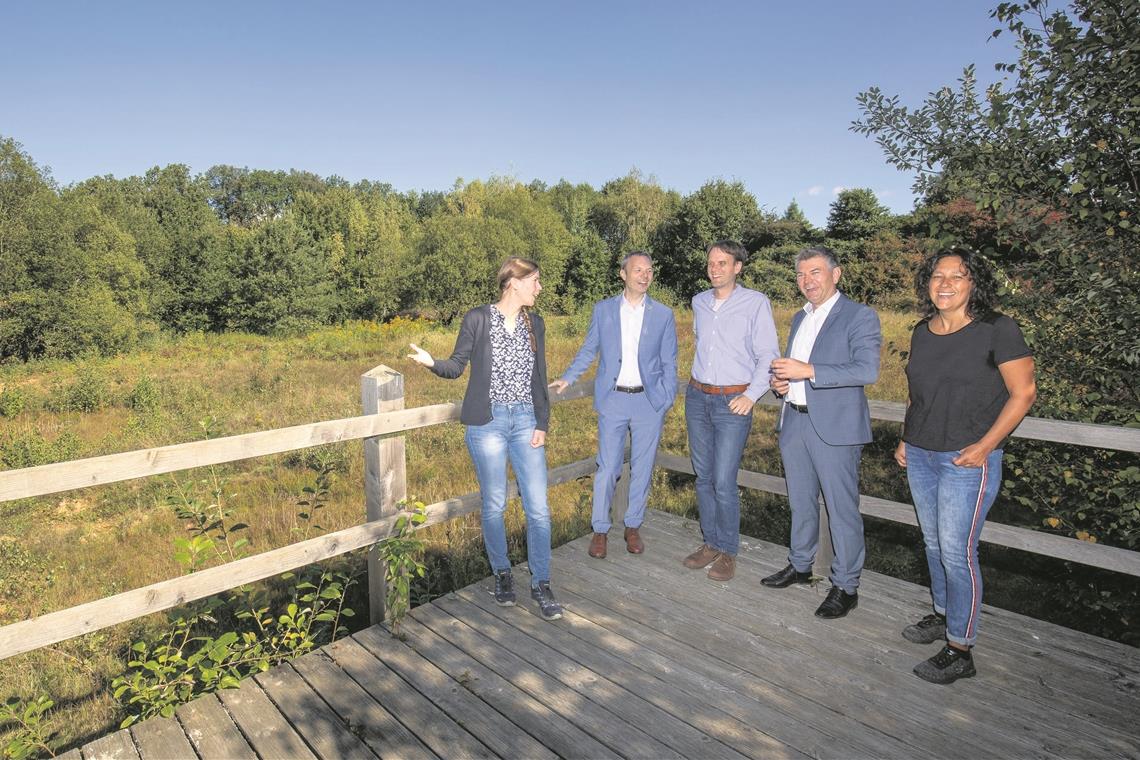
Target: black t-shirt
point(956, 389)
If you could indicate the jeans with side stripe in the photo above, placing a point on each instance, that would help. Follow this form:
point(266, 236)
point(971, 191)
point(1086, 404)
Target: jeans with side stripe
point(952, 503)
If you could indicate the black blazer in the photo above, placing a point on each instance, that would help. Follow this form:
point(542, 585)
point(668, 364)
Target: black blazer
point(474, 344)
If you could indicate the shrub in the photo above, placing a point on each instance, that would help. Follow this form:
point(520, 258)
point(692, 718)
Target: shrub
point(12, 401)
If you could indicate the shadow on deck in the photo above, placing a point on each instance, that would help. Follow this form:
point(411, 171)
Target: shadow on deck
point(655, 661)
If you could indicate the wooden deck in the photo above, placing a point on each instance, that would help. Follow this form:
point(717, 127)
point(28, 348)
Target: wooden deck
point(655, 661)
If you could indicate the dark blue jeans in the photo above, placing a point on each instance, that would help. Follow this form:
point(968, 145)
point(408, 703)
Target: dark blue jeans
point(716, 443)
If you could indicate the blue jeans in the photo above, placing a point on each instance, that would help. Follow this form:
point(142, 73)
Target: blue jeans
point(508, 435)
point(952, 503)
point(716, 443)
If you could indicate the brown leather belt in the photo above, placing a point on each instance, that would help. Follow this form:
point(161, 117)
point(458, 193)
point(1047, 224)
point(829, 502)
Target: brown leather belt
point(719, 390)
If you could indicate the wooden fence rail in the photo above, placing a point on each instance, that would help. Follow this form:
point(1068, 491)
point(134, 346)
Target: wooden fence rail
point(382, 401)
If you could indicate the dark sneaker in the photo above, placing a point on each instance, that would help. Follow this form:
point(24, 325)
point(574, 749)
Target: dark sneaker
point(504, 589)
point(550, 609)
point(947, 666)
point(926, 631)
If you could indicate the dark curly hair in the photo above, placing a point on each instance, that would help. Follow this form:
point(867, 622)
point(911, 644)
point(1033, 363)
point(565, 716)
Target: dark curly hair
point(982, 298)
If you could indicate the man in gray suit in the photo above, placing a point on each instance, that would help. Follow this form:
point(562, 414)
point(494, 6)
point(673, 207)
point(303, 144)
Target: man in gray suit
point(635, 386)
point(833, 351)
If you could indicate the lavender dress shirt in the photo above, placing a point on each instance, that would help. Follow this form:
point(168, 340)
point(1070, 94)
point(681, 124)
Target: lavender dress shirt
point(737, 343)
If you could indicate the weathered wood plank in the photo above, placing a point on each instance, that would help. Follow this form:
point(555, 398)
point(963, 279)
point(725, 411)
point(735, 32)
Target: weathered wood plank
point(1047, 544)
point(595, 719)
point(675, 693)
point(1037, 640)
point(621, 697)
point(554, 731)
point(212, 731)
point(385, 472)
point(116, 746)
point(759, 701)
point(102, 613)
point(320, 727)
point(71, 754)
point(868, 643)
point(162, 739)
point(264, 727)
point(814, 674)
point(375, 726)
point(501, 736)
point(434, 728)
point(112, 468)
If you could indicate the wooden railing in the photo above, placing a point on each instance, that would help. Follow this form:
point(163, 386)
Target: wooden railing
point(385, 485)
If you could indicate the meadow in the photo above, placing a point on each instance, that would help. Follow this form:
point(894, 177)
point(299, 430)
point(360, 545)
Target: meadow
point(60, 551)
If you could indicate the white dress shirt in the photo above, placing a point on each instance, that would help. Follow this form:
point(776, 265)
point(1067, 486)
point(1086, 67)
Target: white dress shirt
point(804, 342)
point(632, 318)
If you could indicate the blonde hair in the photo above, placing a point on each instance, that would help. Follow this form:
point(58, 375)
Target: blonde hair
point(517, 267)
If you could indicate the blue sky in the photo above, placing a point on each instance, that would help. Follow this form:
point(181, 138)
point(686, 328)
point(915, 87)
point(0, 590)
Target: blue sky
point(420, 94)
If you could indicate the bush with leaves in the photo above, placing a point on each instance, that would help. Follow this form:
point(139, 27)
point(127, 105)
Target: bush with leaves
point(402, 555)
point(31, 736)
point(192, 659)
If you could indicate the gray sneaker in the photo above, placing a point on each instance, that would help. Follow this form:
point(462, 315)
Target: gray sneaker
point(550, 609)
point(504, 589)
point(947, 666)
point(926, 631)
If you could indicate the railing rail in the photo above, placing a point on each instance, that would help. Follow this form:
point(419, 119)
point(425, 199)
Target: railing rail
point(382, 399)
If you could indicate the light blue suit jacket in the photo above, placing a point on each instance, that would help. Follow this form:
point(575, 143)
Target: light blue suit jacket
point(846, 358)
point(656, 352)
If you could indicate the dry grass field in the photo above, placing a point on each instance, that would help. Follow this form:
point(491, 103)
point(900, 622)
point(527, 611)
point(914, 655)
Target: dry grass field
point(57, 552)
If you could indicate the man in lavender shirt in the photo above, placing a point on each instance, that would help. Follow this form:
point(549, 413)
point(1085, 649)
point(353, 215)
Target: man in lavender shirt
point(736, 343)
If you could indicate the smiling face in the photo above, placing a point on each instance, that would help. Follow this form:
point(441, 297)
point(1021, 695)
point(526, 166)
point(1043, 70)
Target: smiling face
point(637, 273)
point(817, 280)
point(950, 285)
point(723, 269)
point(527, 288)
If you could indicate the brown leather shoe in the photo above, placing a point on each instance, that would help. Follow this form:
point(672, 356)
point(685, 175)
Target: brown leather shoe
point(633, 542)
point(598, 546)
point(702, 557)
point(723, 569)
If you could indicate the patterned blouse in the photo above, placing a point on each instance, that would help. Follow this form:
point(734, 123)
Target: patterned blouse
point(512, 361)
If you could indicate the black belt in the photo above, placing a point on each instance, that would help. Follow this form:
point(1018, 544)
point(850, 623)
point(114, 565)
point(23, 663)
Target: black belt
point(630, 388)
point(801, 408)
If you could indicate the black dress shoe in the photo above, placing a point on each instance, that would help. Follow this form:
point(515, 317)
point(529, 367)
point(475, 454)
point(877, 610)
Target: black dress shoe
point(837, 604)
point(786, 577)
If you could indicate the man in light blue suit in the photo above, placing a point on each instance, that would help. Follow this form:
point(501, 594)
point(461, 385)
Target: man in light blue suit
point(636, 383)
point(833, 352)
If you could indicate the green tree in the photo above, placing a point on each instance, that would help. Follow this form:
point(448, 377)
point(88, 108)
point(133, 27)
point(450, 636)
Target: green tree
point(856, 214)
point(716, 211)
point(629, 210)
point(1048, 159)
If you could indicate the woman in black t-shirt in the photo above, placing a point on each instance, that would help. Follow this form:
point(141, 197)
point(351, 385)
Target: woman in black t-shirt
point(970, 381)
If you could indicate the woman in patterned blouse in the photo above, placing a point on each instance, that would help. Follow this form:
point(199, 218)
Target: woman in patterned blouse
point(507, 410)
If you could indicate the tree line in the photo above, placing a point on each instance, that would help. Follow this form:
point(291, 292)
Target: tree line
point(98, 265)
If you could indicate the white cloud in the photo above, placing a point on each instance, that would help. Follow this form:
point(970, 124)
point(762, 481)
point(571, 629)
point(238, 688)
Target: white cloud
point(837, 189)
point(815, 190)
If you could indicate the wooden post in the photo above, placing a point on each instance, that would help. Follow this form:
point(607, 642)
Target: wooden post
point(385, 472)
point(825, 552)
